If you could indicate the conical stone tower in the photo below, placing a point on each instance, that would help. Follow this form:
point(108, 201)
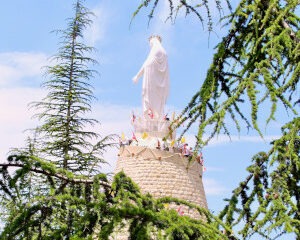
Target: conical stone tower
point(162, 171)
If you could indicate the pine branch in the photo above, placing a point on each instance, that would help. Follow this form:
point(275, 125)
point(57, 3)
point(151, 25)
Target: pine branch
point(273, 195)
point(189, 7)
point(64, 177)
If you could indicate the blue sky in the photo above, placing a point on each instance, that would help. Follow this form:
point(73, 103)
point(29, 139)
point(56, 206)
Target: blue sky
point(26, 44)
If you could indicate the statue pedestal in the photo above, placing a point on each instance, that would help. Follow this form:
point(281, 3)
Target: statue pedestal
point(153, 127)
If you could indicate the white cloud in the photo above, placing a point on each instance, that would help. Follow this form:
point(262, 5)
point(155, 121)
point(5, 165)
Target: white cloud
point(15, 117)
point(96, 32)
point(213, 188)
point(114, 119)
point(224, 139)
point(16, 66)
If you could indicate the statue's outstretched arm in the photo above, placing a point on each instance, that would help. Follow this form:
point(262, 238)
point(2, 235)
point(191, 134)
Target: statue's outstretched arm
point(138, 75)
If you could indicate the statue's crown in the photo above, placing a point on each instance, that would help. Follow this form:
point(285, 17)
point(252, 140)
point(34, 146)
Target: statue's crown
point(155, 36)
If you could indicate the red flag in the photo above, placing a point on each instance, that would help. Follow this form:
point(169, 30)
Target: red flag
point(134, 137)
point(180, 211)
point(150, 113)
point(133, 117)
point(201, 160)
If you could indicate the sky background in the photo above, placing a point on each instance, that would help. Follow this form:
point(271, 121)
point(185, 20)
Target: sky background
point(26, 44)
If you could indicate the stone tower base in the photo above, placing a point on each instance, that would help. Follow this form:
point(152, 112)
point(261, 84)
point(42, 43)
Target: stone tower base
point(163, 173)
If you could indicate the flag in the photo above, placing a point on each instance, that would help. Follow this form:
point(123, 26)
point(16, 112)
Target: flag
point(158, 144)
point(183, 140)
point(134, 137)
point(150, 113)
point(180, 211)
point(144, 135)
point(122, 136)
point(201, 160)
point(173, 116)
point(133, 117)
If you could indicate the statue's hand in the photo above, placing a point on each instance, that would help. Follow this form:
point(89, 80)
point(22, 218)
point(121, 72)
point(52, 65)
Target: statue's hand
point(135, 79)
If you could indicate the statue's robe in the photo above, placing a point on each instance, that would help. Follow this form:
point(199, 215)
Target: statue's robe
point(156, 80)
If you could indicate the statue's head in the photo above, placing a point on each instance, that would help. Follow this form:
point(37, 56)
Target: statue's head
point(152, 37)
point(155, 36)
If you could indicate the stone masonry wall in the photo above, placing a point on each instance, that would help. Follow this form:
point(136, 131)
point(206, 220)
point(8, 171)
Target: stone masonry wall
point(163, 173)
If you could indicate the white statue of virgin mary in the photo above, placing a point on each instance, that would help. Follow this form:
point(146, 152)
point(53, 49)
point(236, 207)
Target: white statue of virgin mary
point(155, 81)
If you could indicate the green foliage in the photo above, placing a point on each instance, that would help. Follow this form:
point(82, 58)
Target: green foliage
point(273, 183)
point(88, 208)
point(63, 137)
point(55, 214)
point(256, 63)
point(187, 6)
